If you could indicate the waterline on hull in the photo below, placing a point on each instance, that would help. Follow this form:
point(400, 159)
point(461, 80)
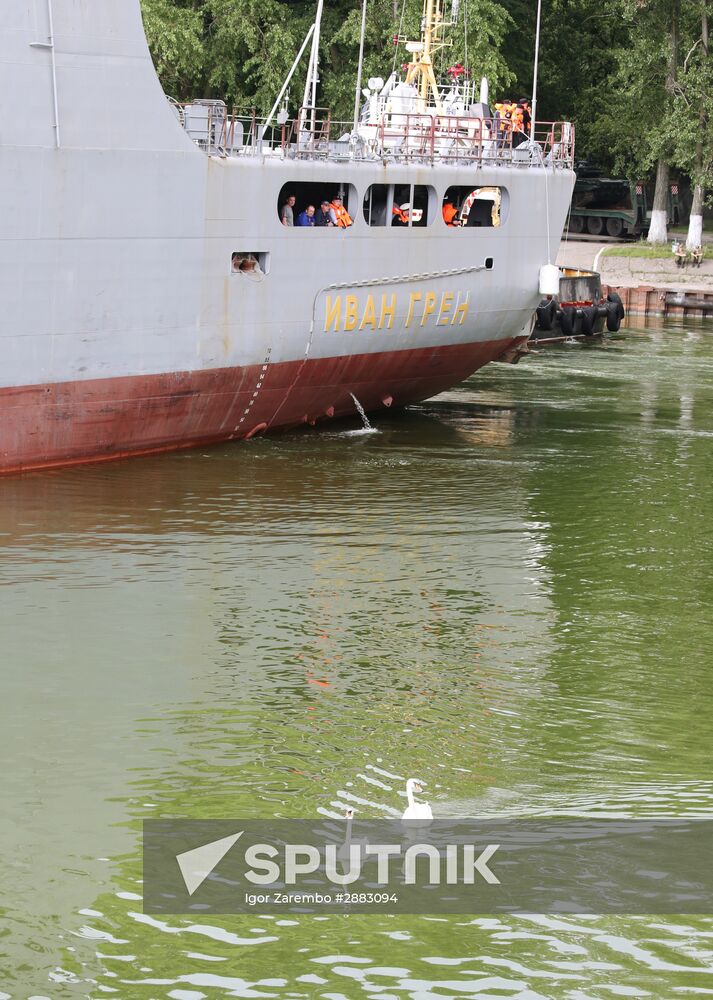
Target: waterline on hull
point(102, 419)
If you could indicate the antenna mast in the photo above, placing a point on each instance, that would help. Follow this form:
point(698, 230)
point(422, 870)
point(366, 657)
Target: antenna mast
point(534, 77)
point(421, 67)
point(310, 95)
point(357, 94)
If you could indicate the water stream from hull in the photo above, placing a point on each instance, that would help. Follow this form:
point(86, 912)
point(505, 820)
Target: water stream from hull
point(362, 414)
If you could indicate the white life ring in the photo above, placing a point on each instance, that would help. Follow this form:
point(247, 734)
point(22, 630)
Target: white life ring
point(474, 196)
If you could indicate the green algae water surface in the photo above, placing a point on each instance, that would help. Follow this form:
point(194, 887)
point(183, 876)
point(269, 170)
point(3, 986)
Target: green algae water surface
point(505, 592)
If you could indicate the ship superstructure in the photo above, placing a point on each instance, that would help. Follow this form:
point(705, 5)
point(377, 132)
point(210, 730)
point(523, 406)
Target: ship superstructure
point(152, 298)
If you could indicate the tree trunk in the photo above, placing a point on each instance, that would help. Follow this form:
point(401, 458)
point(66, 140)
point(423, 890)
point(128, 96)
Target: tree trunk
point(658, 232)
point(695, 222)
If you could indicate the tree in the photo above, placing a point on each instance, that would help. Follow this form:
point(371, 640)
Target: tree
point(693, 110)
point(241, 50)
point(174, 32)
point(658, 230)
point(643, 101)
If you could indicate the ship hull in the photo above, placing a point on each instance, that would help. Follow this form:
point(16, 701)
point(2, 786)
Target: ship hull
point(125, 327)
point(97, 420)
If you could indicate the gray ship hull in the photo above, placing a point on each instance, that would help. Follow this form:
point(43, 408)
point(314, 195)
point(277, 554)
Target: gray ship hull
point(125, 328)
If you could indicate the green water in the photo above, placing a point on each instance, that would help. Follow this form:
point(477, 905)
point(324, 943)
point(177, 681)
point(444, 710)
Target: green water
point(506, 591)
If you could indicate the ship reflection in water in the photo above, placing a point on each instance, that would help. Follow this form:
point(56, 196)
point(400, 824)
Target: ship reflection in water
point(504, 592)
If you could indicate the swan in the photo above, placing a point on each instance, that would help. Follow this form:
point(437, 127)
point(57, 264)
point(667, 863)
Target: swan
point(344, 851)
point(420, 811)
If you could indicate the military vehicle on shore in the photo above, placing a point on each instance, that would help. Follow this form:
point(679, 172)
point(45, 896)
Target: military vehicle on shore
point(614, 206)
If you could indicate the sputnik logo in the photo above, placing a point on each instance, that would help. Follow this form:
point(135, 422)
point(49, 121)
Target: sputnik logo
point(198, 864)
point(296, 860)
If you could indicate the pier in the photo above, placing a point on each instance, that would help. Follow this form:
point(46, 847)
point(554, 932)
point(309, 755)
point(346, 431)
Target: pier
point(650, 300)
point(647, 286)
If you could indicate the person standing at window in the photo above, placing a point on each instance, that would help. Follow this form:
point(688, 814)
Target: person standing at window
point(287, 217)
point(323, 217)
point(339, 214)
point(450, 212)
point(306, 218)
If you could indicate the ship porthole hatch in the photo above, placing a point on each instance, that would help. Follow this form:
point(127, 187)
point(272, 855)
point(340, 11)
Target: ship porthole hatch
point(249, 262)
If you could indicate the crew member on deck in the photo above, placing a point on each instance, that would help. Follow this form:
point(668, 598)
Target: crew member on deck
point(287, 217)
point(503, 114)
point(524, 105)
point(323, 215)
point(338, 213)
point(399, 215)
point(449, 212)
point(518, 124)
point(306, 218)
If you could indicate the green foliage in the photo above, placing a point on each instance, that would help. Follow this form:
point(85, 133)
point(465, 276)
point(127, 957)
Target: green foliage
point(688, 129)
point(632, 74)
point(241, 50)
point(175, 35)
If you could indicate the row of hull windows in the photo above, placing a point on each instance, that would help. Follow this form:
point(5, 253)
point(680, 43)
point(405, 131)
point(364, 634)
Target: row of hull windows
point(406, 206)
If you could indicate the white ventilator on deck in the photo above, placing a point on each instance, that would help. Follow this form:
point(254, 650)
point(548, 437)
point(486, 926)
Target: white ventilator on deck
point(549, 279)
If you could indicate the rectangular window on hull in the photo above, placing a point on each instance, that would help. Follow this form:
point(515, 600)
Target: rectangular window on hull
point(465, 207)
point(400, 205)
point(249, 262)
point(305, 204)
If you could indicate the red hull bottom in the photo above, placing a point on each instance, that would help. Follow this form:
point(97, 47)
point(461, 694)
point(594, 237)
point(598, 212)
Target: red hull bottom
point(96, 420)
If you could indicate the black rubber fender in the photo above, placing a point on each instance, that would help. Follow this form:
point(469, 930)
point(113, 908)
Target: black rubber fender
point(546, 312)
point(589, 318)
point(613, 297)
point(567, 318)
point(613, 317)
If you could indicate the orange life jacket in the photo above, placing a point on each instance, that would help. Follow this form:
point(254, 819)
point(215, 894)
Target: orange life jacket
point(399, 214)
point(449, 213)
point(343, 218)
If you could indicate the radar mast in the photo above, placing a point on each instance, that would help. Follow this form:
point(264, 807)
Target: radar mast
point(420, 70)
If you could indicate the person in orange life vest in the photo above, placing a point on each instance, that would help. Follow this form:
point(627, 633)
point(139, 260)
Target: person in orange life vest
point(524, 106)
point(506, 123)
point(449, 212)
point(513, 120)
point(518, 121)
point(499, 123)
point(399, 215)
point(340, 216)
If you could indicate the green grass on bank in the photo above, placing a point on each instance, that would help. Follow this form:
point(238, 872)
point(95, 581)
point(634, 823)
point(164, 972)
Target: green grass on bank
point(658, 251)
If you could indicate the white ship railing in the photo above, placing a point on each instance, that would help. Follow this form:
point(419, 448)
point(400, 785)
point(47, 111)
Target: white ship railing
point(419, 138)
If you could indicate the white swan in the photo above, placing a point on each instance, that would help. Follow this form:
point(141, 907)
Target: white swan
point(419, 811)
point(344, 851)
